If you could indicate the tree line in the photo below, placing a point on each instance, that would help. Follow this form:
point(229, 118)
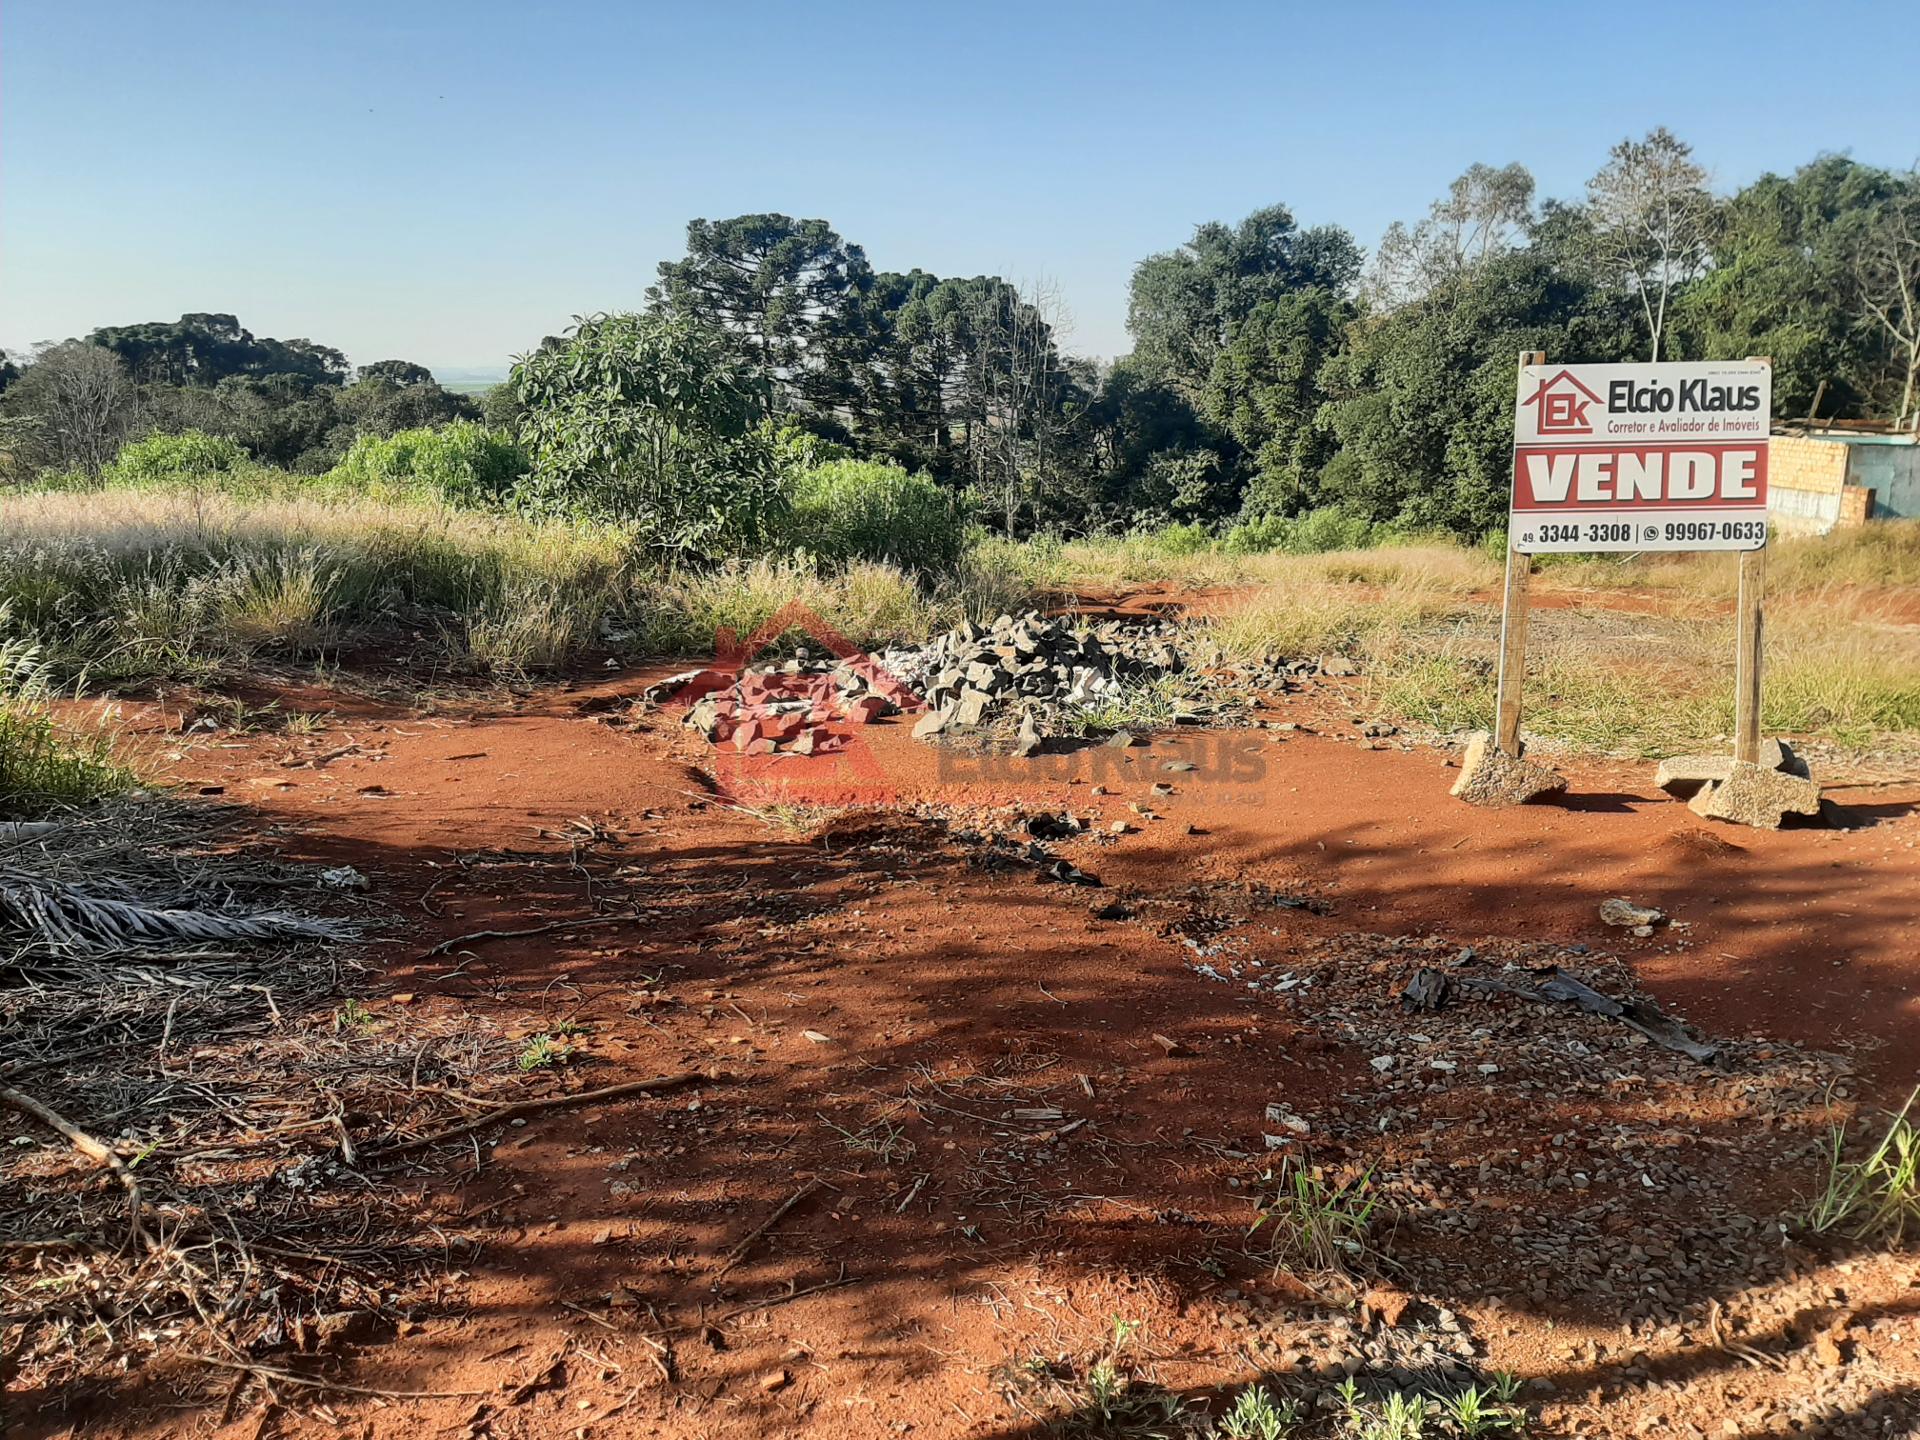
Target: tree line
point(1276, 368)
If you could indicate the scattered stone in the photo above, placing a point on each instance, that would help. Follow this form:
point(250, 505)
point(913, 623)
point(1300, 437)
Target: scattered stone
point(1066, 872)
point(1283, 1117)
point(1489, 776)
point(1429, 989)
point(931, 724)
point(1629, 916)
point(1337, 665)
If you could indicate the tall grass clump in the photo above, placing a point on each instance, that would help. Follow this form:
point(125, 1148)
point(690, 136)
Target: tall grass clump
point(845, 511)
point(1877, 1196)
point(41, 762)
point(782, 604)
point(128, 585)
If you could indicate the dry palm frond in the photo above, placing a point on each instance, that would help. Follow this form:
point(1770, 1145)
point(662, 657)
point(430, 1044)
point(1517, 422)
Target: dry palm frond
point(66, 918)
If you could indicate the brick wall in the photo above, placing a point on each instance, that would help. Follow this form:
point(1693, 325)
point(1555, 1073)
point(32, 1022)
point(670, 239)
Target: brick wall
point(1856, 505)
point(1795, 462)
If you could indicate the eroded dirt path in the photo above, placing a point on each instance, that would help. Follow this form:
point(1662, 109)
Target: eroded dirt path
point(1010, 1121)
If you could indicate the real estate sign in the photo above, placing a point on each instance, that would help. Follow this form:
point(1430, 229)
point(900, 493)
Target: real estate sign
point(1669, 456)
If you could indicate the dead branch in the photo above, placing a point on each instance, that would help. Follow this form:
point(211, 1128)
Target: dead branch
point(551, 1102)
point(735, 1255)
point(312, 1382)
point(445, 945)
point(93, 1149)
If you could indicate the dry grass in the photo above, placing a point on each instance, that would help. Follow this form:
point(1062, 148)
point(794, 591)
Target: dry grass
point(1843, 657)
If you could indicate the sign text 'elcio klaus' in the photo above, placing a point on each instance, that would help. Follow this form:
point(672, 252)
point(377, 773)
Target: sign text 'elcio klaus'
point(1668, 456)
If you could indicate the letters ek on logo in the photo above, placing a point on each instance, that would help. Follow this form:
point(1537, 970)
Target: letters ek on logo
point(1563, 403)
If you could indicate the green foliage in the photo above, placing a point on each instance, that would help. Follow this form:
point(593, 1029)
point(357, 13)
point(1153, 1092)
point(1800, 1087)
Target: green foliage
point(1877, 1197)
point(1780, 284)
point(543, 1052)
point(204, 349)
point(865, 510)
point(162, 459)
point(779, 291)
point(1422, 402)
point(462, 462)
point(43, 763)
point(1313, 1219)
point(649, 420)
point(1256, 1415)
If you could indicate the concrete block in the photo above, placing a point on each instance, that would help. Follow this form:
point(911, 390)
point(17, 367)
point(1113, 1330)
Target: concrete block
point(1490, 777)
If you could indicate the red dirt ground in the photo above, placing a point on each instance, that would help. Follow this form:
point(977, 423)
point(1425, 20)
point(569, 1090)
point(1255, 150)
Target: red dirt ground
point(864, 976)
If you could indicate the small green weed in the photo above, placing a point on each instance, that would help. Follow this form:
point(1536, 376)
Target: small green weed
point(1475, 1412)
point(1256, 1415)
point(1878, 1197)
point(353, 1018)
point(543, 1052)
point(1312, 1220)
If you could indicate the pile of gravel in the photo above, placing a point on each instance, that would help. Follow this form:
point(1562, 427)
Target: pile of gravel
point(1030, 669)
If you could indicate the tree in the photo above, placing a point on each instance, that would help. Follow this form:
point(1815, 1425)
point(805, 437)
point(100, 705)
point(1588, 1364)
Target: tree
point(1485, 212)
point(1782, 285)
point(1886, 267)
point(1184, 305)
point(780, 289)
point(78, 403)
point(649, 420)
point(1421, 403)
point(1264, 392)
point(205, 348)
point(398, 372)
point(1652, 218)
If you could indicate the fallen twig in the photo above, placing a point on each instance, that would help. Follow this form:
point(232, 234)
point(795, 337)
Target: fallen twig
point(735, 1255)
point(734, 1314)
point(93, 1149)
point(445, 945)
point(551, 1102)
point(314, 1382)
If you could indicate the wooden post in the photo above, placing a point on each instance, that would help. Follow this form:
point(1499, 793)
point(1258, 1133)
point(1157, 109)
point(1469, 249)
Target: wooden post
point(1749, 636)
point(1513, 630)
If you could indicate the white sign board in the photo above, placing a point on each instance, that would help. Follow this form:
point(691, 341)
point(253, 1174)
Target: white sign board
point(1669, 456)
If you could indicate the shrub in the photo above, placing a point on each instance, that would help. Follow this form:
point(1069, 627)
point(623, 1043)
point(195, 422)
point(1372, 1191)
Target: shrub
point(463, 462)
point(650, 421)
point(848, 510)
point(162, 458)
point(1330, 528)
point(1257, 536)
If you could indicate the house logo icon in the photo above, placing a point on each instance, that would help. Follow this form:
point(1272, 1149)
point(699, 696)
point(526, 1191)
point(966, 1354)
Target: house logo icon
point(1563, 403)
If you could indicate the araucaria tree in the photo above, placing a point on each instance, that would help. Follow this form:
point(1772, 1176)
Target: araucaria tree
point(782, 291)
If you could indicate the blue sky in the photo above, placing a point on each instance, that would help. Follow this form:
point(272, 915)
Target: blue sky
point(449, 182)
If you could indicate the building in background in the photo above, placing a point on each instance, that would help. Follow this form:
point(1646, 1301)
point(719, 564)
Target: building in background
point(1839, 473)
